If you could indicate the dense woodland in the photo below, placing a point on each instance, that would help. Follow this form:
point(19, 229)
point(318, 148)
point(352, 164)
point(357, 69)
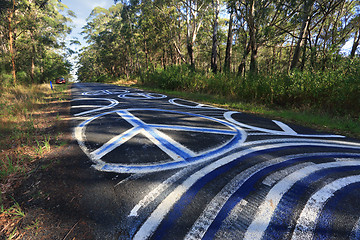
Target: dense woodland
point(32, 41)
point(282, 53)
point(251, 36)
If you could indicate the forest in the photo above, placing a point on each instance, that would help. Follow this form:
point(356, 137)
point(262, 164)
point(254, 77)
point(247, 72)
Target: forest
point(255, 36)
point(280, 53)
point(287, 53)
point(32, 41)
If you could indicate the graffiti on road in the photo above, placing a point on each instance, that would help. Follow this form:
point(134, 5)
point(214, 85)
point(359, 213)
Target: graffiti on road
point(263, 179)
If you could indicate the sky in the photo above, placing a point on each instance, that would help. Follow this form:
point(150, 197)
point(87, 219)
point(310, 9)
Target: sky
point(82, 10)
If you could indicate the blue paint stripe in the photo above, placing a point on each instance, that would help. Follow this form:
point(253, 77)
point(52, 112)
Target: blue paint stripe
point(324, 228)
point(194, 129)
point(178, 164)
point(249, 186)
point(167, 144)
point(246, 188)
point(283, 214)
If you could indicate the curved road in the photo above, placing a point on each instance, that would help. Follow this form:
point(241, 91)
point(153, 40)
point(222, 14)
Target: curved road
point(177, 169)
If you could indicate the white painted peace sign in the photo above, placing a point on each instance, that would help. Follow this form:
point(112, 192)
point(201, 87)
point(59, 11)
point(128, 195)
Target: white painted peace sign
point(179, 155)
point(142, 96)
point(285, 129)
point(112, 104)
point(104, 92)
point(190, 104)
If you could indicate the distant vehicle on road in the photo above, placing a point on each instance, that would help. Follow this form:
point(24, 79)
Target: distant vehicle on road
point(60, 80)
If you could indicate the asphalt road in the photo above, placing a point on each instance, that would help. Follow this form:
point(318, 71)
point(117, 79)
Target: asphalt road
point(174, 169)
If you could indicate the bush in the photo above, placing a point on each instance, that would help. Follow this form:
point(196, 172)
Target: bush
point(333, 91)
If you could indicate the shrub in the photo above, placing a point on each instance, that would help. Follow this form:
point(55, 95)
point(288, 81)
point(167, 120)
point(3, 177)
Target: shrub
point(333, 91)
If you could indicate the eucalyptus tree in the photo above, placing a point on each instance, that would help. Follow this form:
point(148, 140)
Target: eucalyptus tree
point(230, 34)
point(193, 13)
point(263, 22)
point(216, 10)
point(33, 29)
point(325, 27)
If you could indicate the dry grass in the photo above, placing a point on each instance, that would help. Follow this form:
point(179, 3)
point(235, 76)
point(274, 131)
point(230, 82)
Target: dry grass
point(29, 129)
point(125, 82)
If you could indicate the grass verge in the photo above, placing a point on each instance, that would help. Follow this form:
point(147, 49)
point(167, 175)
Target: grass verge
point(30, 127)
point(306, 116)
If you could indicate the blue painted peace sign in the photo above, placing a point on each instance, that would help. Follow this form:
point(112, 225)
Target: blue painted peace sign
point(179, 154)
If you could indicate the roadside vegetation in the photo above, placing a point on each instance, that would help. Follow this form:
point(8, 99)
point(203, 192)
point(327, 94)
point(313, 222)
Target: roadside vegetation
point(328, 99)
point(296, 59)
point(32, 53)
point(30, 127)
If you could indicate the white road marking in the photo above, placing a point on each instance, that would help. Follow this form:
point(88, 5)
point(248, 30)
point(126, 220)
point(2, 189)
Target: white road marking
point(286, 130)
point(266, 210)
point(114, 143)
point(204, 221)
point(278, 175)
point(164, 207)
point(112, 104)
point(136, 96)
point(355, 232)
point(179, 154)
point(197, 105)
point(308, 218)
point(157, 191)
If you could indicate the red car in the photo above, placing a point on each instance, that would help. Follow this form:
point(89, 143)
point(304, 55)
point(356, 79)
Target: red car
point(60, 80)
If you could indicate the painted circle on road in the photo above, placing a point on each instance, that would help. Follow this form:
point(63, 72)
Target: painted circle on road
point(142, 96)
point(105, 92)
point(112, 104)
point(190, 104)
point(178, 154)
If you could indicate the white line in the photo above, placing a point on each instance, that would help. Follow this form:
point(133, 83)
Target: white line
point(112, 104)
point(286, 129)
point(168, 151)
point(164, 207)
point(194, 129)
point(157, 191)
point(114, 143)
point(308, 218)
point(355, 232)
point(133, 120)
point(265, 211)
point(274, 177)
point(204, 221)
point(198, 106)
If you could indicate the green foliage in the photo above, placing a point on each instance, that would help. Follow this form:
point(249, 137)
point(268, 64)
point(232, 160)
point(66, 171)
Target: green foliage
point(334, 91)
point(37, 51)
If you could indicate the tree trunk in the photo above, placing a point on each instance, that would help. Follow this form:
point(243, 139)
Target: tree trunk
point(241, 68)
point(355, 44)
point(216, 7)
point(229, 43)
point(191, 54)
point(308, 4)
point(146, 55)
point(179, 52)
point(32, 69)
point(11, 13)
point(304, 56)
point(252, 35)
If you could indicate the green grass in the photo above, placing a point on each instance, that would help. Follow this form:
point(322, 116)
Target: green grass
point(344, 125)
point(23, 125)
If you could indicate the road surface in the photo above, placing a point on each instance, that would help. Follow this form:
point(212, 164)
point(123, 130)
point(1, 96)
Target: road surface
point(176, 169)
